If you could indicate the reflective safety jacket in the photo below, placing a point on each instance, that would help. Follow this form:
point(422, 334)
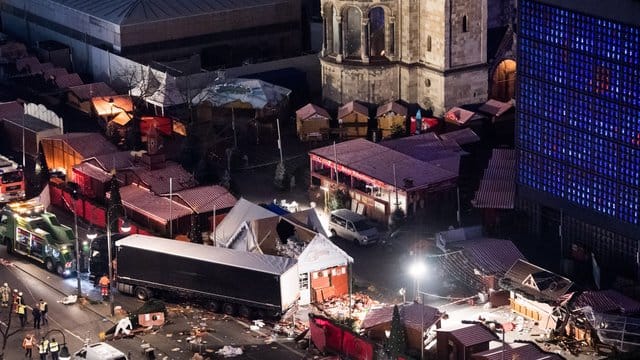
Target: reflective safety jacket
point(53, 346)
point(20, 310)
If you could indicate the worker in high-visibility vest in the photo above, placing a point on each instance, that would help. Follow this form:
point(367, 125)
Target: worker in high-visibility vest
point(104, 286)
point(54, 348)
point(21, 310)
point(43, 349)
point(5, 291)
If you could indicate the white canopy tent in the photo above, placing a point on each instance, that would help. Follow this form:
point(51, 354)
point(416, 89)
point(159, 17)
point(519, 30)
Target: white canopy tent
point(257, 94)
point(242, 212)
point(321, 254)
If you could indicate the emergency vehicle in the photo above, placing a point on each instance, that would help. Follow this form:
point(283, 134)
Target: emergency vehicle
point(27, 229)
point(12, 186)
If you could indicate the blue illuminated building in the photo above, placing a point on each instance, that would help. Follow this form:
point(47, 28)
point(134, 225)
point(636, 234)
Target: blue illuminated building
point(578, 129)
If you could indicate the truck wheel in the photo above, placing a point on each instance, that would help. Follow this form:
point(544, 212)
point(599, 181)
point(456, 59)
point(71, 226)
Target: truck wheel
point(60, 270)
point(333, 233)
point(245, 312)
point(215, 306)
point(260, 314)
point(229, 309)
point(49, 265)
point(9, 244)
point(142, 293)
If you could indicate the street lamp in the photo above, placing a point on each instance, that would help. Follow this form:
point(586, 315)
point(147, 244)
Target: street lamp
point(64, 351)
point(499, 326)
point(92, 234)
point(417, 271)
point(125, 227)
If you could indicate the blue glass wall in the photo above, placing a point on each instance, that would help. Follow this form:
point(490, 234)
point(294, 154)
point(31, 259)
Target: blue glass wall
point(579, 109)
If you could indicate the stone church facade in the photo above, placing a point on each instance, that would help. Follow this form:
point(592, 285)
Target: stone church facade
point(429, 52)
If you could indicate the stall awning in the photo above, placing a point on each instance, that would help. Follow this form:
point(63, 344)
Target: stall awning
point(321, 254)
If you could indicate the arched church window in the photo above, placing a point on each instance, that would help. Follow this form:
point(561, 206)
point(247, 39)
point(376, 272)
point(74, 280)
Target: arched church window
point(335, 38)
point(377, 32)
point(465, 24)
point(353, 30)
point(429, 43)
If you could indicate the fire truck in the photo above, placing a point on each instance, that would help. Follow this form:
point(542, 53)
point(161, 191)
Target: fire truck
point(28, 230)
point(12, 185)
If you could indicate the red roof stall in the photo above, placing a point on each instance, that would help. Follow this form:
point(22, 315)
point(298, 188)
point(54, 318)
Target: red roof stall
point(164, 125)
point(80, 96)
point(377, 321)
point(460, 341)
point(155, 212)
point(67, 150)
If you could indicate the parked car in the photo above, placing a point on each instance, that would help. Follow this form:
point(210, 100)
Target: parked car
point(353, 227)
point(99, 351)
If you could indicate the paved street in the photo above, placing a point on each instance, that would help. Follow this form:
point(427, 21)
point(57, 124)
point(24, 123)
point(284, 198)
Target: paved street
point(80, 322)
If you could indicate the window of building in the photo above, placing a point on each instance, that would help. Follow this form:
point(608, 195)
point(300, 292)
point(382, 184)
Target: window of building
point(353, 29)
point(429, 43)
point(376, 32)
point(465, 24)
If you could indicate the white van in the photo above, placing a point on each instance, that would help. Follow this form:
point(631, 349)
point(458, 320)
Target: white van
point(100, 351)
point(353, 227)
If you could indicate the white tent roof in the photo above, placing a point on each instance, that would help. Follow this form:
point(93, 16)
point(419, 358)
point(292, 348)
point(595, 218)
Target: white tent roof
point(243, 211)
point(247, 260)
point(258, 93)
point(321, 254)
point(164, 90)
point(244, 239)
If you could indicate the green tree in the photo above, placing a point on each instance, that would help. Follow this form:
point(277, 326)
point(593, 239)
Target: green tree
point(189, 155)
point(133, 137)
point(280, 176)
point(396, 219)
point(397, 343)
point(397, 131)
point(338, 199)
point(195, 233)
point(114, 203)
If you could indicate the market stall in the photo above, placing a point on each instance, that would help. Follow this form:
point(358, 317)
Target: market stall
point(311, 120)
point(324, 271)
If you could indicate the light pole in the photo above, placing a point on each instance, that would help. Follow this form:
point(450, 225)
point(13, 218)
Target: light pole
point(417, 271)
point(64, 351)
point(126, 227)
point(499, 326)
point(91, 235)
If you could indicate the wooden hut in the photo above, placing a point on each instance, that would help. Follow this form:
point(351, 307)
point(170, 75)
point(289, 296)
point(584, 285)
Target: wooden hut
point(354, 118)
point(390, 115)
point(310, 121)
point(80, 96)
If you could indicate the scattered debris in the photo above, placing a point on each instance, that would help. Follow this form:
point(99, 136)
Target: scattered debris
point(69, 300)
point(229, 351)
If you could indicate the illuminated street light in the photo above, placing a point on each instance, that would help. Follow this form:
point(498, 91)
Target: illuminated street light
point(125, 227)
point(417, 271)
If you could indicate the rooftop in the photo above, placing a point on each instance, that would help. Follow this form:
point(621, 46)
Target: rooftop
point(374, 160)
point(128, 12)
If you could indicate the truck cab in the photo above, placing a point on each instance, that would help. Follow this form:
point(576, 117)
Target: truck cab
point(26, 229)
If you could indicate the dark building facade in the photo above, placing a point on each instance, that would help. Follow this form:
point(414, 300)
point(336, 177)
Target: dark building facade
point(578, 128)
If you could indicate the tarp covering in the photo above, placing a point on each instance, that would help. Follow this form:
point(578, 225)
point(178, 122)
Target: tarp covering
point(321, 254)
point(241, 259)
point(256, 93)
point(243, 211)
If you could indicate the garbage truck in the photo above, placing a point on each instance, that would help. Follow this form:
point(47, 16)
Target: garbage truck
point(28, 230)
point(234, 282)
